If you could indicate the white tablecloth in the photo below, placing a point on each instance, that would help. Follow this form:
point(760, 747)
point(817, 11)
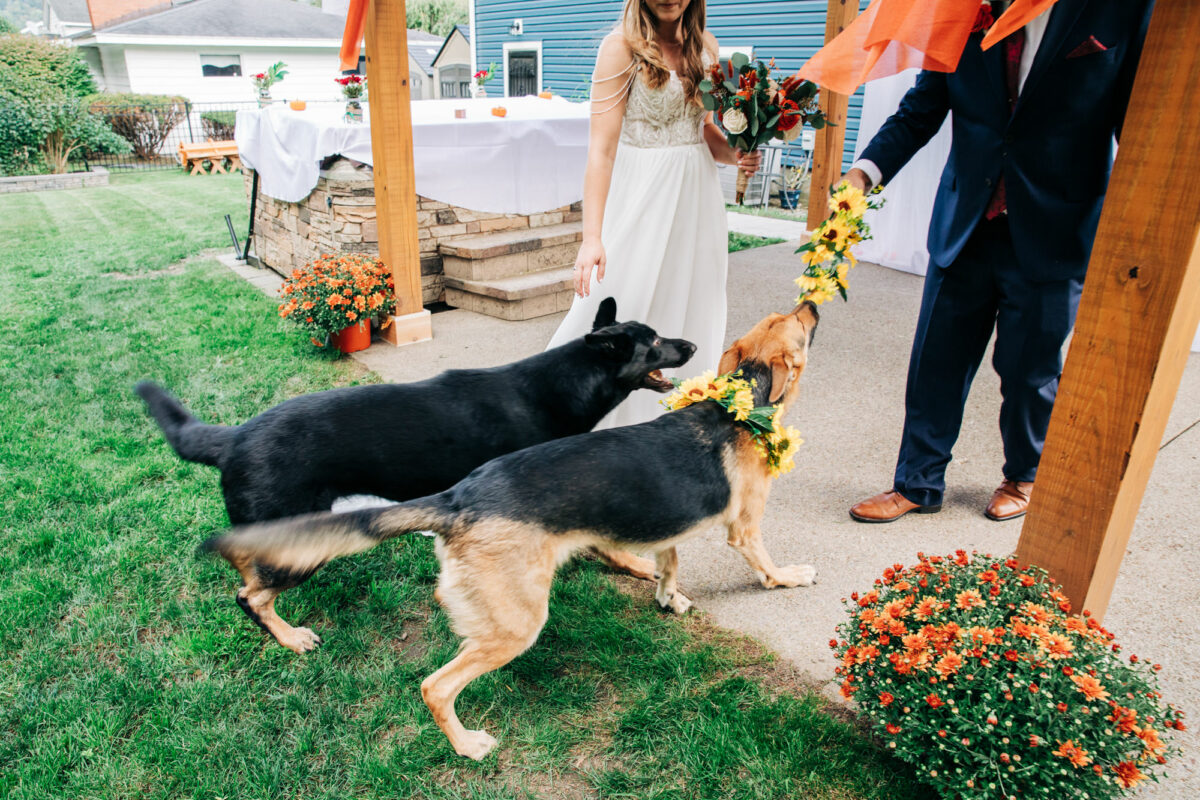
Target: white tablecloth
point(529, 161)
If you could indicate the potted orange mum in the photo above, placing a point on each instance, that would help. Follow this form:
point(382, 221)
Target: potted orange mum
point(336, 297)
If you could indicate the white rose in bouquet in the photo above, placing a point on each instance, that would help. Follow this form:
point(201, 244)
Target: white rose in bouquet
point(734, 121)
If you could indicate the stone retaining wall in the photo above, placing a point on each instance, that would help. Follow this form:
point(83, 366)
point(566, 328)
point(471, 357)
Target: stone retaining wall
point(98, 176)
point(339, 217)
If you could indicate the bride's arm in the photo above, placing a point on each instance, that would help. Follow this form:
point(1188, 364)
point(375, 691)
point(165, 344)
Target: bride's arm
point(613, 76)
point(714, 137)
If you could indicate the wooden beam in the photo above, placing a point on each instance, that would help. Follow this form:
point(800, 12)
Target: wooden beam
point(827, 151)
point(1137, 316)
point(392, 152)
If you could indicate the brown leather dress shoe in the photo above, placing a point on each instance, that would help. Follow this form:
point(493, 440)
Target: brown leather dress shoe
point(888, 507)
point(1010, 501)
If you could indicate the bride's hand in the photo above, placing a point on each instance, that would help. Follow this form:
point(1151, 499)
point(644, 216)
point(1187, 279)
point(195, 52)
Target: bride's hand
point(591, 255)
point(749, 162)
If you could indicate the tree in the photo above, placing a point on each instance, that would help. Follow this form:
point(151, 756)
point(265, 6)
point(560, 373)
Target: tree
point(436, 16)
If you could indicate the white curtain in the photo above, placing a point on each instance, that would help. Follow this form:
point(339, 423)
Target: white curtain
point(898, 230)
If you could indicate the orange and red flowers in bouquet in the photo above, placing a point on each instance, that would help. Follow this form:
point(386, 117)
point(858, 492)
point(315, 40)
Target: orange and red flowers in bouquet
point(753, 108)
point(334, 292)
point(978, 652)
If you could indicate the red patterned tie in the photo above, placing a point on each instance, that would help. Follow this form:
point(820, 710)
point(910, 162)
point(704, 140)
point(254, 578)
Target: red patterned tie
point(1014, 45)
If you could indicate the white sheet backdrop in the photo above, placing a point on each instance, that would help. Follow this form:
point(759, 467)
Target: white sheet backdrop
point(899, 229)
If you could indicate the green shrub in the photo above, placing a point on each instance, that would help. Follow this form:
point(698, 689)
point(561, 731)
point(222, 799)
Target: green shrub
point(218, 125)
point(143, 120)
point(6, 27)
point(36, 62)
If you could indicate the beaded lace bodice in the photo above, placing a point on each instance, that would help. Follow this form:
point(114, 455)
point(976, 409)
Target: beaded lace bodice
point(660, 117)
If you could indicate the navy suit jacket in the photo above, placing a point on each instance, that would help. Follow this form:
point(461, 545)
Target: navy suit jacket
point(1054, 150)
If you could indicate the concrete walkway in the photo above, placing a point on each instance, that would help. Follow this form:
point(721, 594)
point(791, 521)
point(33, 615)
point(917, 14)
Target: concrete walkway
point(770, 227)
point(850, 413)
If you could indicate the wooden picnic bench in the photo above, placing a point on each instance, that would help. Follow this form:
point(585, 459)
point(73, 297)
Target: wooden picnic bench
point(193, 155)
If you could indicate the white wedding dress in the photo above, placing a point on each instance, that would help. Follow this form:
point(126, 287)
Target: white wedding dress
point(664, 235)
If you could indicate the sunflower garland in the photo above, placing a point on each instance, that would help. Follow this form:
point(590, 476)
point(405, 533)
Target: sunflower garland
point(827, 255)
point(736, 395)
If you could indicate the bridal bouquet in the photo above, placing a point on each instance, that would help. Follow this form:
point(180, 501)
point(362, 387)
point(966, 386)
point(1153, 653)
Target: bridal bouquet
point(754, 109)
point(827, 255)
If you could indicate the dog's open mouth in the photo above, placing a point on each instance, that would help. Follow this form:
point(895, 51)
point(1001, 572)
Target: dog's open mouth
point(655, 380)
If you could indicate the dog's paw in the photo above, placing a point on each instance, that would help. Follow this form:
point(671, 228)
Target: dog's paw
point(475, 744)
point(301, 640)
point(795, 575)
point(675, 602)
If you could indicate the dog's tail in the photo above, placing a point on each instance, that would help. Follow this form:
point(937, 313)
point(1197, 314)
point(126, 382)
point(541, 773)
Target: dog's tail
point(190, 438)
point(300, 545)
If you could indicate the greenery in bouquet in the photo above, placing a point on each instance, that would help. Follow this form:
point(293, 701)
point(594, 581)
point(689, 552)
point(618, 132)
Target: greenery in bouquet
point(263, 81)
point(353, 86)
point(484, 75)
point(827, 255)
point(776, 444)
point(974, 671)
point(337, 291)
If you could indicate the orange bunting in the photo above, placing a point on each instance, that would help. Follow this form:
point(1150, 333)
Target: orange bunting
point(356, 24)
point(894, 35)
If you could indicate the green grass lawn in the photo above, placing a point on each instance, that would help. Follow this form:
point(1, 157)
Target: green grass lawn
point(745, 241)
point(126, 671)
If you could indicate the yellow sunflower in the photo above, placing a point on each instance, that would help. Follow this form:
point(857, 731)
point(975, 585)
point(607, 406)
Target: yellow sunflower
point(848, 200)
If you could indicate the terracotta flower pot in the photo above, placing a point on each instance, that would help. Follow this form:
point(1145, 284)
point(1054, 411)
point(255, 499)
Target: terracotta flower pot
point(356, 337)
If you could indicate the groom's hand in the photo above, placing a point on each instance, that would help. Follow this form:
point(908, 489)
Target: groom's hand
point(858, 179)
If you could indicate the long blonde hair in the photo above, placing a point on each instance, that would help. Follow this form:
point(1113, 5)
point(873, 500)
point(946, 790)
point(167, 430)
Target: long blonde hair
point(638, 27)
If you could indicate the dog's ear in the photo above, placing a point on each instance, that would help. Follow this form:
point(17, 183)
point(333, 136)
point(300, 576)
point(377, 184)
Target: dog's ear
point(615, 344)
point(781, 373)
point(606, 315)
point(730, 359)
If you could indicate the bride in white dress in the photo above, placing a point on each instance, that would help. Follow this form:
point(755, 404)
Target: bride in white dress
point(654, 228)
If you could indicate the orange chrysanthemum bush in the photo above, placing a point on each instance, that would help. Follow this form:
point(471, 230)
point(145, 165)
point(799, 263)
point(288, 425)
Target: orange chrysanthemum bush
point(335, 292)
point(976, 673)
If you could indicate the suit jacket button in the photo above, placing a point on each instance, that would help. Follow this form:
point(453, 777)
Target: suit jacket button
point(987, 181)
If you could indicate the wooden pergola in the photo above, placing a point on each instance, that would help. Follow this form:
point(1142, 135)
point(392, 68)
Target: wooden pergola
point(1139, 311)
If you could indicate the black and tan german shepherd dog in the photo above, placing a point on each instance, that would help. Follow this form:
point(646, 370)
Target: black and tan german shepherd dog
point(505, 529)
point(411, 440)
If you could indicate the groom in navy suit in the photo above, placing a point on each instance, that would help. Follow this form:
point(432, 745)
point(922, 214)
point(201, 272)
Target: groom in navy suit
point(1013, 223)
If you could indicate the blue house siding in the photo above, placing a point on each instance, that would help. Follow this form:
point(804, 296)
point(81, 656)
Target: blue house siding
point(570, 31)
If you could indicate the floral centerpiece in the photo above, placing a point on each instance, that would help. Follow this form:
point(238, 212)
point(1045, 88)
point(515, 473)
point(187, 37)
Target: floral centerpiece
point(827, 255)
point(974, 671)
point(353, 87)
point(263, 81)
point(481, 78)
point(339, 295)
point(757, 109)
point(735, 394)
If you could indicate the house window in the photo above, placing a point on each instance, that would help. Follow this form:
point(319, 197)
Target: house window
point(522, 68)
point(455, 80)
point(221, 66)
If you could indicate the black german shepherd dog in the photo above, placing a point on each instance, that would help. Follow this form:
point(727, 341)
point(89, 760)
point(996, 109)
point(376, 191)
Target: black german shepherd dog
point(411, 440)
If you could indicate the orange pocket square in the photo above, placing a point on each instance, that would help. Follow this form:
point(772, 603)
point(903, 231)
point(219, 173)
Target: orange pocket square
point(1086, 48)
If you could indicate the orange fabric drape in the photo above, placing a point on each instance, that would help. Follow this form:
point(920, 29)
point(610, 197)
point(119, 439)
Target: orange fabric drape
point(356, 23)
point(894, 35)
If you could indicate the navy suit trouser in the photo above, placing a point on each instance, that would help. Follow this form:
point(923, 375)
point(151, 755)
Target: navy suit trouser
point(984, 289)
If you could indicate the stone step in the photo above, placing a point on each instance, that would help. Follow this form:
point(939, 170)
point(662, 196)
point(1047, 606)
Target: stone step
point(507, 254)
point(517, 297)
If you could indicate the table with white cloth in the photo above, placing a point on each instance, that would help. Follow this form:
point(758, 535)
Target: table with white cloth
point(528, 161)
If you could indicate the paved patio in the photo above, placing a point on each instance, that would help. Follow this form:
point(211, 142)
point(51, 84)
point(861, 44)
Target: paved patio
point(850, 413)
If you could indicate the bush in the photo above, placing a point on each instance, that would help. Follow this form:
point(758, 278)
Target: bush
point(976, 675)
point(41, 63)
point(6, 27)
point(143, 120)
point(218, 125)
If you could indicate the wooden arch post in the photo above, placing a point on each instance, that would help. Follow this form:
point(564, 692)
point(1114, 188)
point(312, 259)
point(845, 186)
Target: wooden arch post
point(392, 151)
point(830, 140)
point(1137, 316)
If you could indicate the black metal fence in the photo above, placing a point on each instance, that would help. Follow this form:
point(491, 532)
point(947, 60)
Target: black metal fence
point(155, 131)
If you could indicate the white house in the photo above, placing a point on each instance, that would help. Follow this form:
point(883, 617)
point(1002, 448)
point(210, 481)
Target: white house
point(452, 65)
point(206, 50)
